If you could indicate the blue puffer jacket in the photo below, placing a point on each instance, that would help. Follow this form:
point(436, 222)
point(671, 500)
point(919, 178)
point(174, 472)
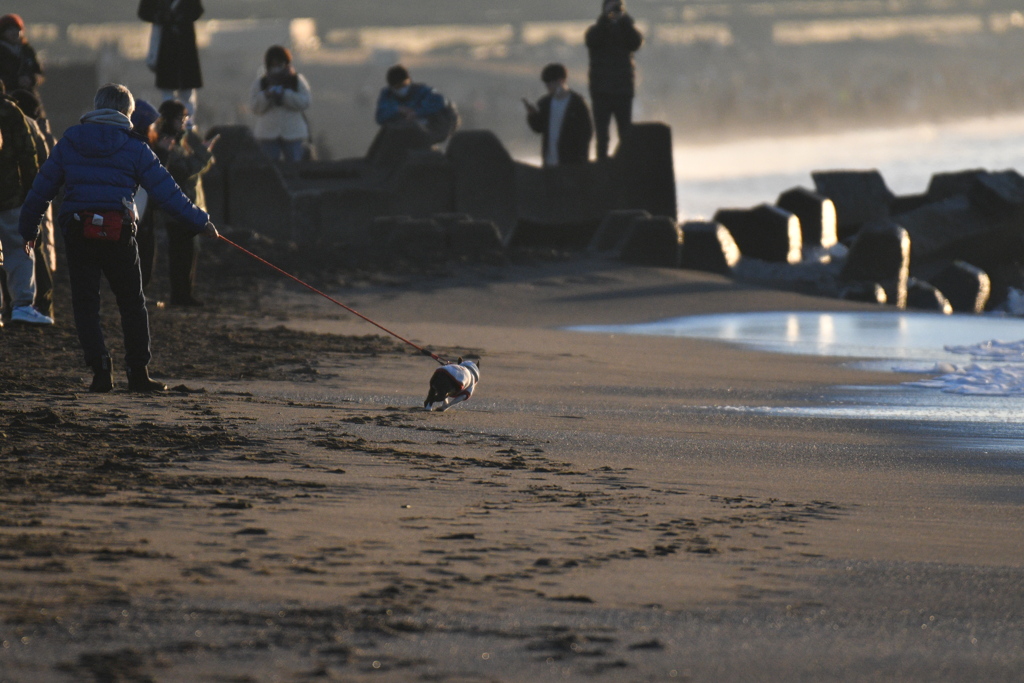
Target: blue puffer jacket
point(100, 165)
point(422, 99)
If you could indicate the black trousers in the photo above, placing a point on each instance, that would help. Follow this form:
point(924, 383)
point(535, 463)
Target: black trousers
point(182, 254)
point(88, 262)
point(606, 106)
point(182, 257)
point(44, 283)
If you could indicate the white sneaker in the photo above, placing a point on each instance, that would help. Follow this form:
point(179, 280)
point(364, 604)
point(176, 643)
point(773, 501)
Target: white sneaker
point(27, 314)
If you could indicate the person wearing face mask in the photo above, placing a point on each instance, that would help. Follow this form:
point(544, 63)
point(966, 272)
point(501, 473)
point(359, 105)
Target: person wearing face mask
point(562, 118)
point(279, 98)
point(411, 116)
point(187, 157)
point(611, 43)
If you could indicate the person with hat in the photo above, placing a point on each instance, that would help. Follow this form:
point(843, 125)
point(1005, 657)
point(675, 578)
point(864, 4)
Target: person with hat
point(611, 43)
point(19, 65)
point(562, 117)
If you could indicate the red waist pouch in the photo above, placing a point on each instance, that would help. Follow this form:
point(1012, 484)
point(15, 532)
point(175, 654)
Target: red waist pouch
point(102, 226)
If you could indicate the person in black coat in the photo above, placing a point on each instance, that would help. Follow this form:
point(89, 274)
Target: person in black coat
point(19, 65)
point(611, 43)
point(562, 118)
point(177, 60)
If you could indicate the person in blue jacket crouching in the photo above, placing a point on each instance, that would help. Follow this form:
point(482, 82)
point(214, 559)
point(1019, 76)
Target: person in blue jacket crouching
point(101, 165)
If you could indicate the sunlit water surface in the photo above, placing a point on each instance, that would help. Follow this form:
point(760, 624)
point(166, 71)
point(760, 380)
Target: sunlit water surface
point(886, 341)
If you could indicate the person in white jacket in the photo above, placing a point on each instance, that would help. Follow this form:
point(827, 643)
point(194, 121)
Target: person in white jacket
point(278, 99)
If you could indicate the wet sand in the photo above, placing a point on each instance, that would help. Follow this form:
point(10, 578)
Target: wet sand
point(288, 512)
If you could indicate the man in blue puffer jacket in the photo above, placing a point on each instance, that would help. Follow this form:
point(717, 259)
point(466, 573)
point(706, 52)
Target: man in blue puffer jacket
point(101, 166)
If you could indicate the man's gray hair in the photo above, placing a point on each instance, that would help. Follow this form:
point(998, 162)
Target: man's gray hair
point(115, 96)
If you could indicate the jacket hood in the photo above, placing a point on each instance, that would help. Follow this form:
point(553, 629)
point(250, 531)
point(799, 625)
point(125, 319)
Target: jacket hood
point(101, 133)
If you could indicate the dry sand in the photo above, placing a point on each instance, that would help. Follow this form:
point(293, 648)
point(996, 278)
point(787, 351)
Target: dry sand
point(290, 513)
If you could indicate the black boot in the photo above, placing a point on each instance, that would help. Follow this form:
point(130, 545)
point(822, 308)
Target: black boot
point(102, 376)
point(138, 380)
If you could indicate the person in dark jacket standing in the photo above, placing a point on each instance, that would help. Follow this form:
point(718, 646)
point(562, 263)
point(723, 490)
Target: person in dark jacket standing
point(100, 164)
point(187, 157)
point(19, 65)
point(562, 118)
point(46, 248)
point(177, 59)
point(19, 164)
point(611, 43)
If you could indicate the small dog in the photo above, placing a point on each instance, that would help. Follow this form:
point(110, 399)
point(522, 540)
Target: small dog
point(452, 383)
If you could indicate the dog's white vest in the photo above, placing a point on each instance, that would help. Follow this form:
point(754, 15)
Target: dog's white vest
point(466, 374)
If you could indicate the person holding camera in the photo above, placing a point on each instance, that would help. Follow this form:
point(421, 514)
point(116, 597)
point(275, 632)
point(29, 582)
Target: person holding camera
point(279, 98)
point(100, 164)
point(187, 157)
point(611, 43)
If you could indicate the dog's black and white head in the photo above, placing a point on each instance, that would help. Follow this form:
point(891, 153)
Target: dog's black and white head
point(473, 367)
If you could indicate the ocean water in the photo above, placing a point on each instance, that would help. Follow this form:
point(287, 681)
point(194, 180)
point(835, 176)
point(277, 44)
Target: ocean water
point(748, 172)
point(972, 366)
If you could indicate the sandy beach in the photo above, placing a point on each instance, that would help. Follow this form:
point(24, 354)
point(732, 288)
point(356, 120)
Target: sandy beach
point(605, 507)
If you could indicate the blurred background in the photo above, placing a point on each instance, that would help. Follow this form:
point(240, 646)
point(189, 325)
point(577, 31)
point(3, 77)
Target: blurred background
point(717, 71)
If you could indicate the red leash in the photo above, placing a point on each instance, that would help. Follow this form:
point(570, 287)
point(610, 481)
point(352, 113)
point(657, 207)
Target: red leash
point(354, 312)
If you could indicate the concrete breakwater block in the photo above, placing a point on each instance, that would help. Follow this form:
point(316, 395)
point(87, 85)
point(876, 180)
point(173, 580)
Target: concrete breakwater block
point(532, 234)
point(419, 241)
point(966, 287)
point(643, 170)
point(880, 254)
point(764, 232)
point(423, 184)
point(955, 228)
point(708, 246)
point(257, 198)
point(817, 216)
point(565, 204)
point(924, 296)
point(613, 228)
point(234, 142)
point(473, 238)
point(999, 193)
point(950, 184)
point(484, 178)
point(653, 241)
point(859, 197)
point(994, 193)
point(432, 240)
point(868, 292)
point(347, 213)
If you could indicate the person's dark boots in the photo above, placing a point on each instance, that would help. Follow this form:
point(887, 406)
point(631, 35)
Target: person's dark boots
point(102, 376)
point(138, 380)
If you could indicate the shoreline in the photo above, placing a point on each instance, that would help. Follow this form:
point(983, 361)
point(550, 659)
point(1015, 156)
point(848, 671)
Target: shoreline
point(291, 513)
